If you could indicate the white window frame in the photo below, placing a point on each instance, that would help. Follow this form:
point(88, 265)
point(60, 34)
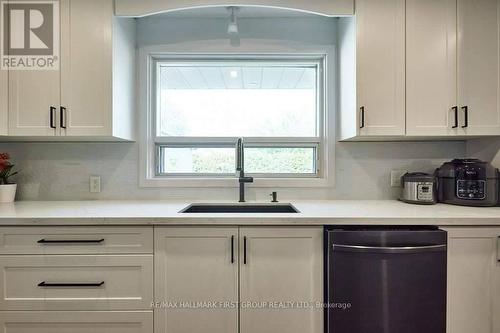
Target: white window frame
point(149, 56)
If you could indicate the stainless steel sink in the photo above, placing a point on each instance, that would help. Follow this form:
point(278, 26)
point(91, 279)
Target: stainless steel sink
point(240, 208)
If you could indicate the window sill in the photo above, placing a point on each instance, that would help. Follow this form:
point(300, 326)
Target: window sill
point(233, 182)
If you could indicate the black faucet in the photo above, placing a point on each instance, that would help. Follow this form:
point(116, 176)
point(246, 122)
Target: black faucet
point(240, 166)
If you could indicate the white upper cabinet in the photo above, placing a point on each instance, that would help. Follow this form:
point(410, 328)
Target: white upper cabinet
point(453, 82)
point(381, 66)
point(431, 94)
point(87, 68)
point(97, 69)
point(372, 70)
point(3, 102)
point(148, 7)
point(478, 66)
point(452, 65)
point(34, 99)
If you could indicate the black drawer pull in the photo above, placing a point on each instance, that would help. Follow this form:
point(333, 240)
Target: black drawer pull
point(70, 241)
point(76, 285)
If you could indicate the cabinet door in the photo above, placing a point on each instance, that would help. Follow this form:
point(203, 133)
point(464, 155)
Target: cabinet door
point(87, 67)
point(196, 266)
point(281, 265)
point(31, 96)
point(473, 281)
point(34, 97)
point(381, 66)
point(496, 295)
point(3, 101)
point(431, 66)
point(76, 322)
point(478, 65)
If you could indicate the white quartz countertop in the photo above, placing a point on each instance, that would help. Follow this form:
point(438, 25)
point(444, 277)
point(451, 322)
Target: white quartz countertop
point(317, 212)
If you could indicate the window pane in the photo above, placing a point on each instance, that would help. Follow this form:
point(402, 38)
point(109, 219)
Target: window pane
point(189, 160)
point(280, 160)
point(251, 99)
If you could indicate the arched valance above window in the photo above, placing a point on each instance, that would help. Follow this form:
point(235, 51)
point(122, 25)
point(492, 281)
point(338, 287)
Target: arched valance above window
point(141, 8)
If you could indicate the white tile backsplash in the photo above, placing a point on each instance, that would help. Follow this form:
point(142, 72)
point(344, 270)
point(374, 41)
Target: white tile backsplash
point(61, 171)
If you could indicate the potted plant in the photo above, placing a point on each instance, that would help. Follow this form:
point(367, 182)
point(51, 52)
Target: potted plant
point(7, 188)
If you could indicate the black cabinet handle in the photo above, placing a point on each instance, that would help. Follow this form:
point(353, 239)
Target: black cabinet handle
point(62, 119)
point(498, 249)
point(274, 195)
point(362, 117)
point(466, 116)
point(69, 285)
point(244, 250)
point(232, 249)
point(52, 117)
point(455, 111)
point(70, 241)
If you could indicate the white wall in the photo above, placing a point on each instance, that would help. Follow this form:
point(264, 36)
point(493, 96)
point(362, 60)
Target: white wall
point(485, 149)
point(60, 171)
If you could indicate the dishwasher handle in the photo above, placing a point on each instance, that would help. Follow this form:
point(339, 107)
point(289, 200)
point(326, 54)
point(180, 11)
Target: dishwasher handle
point(389, 249)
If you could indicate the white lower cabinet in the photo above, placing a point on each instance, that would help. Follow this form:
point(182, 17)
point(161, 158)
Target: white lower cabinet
point(238, 280)
point(76, 322)
point(76, 240)
point(474, 280)
point(281, 273)
point(194, 266)
point(76, 282)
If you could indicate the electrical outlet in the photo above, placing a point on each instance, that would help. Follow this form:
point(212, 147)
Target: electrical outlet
point(396, 177)
point(95, 184)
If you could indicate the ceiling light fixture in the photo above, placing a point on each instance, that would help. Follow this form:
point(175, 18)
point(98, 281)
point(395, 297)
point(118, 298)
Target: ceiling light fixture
point(232, 27)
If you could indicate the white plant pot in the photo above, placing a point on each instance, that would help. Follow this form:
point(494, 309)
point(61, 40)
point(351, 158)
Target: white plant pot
point(7, 193)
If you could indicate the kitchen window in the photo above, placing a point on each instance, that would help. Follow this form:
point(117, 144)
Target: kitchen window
point(200, 107)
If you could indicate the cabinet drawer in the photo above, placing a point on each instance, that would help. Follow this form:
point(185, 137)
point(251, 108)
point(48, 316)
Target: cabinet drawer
point(107, 282)
point(75, 240)
point(76, 322)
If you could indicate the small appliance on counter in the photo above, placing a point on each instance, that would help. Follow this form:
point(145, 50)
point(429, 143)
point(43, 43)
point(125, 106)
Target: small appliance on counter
point(419, 188)
point(468, 182)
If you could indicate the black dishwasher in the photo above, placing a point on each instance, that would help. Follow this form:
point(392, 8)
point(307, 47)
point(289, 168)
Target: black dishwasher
point(385, 280)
